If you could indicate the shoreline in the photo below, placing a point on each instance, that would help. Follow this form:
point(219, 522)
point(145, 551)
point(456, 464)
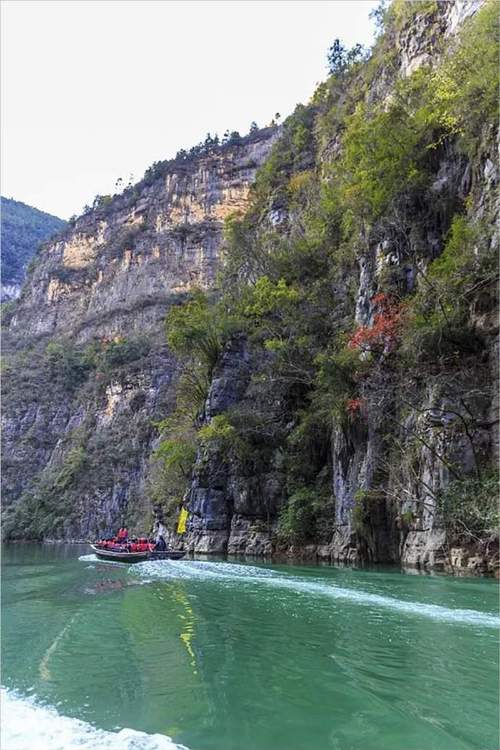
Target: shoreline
point(305, 557)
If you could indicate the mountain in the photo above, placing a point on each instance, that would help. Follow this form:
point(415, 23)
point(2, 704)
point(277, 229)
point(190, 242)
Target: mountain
point(293, 334)
point(23, 229)
point(87, 372)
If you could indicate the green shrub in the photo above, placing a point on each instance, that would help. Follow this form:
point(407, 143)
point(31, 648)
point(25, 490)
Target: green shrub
point(438, 315)
point(68, 364)
point(385, 152)
point(218, 431)
point(401, 12)
point(469, 507)
point(42, 510)
point(389, 151)
point(464, 95)
point(340, 59)
point(364, 502)
point(196, 332)
point(74, 463)
point(7, 310)
point(172, 463)
point(197, 329)
point(123, 351)
point(292, 151)
point(407, 518)
point(296, 521)
point(177, 454)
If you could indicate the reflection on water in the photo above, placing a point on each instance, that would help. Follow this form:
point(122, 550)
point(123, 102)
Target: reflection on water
point(43, 669)
point(250, 656)
point(188, 625)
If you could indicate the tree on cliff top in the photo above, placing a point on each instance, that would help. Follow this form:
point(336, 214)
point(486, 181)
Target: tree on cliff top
point(340, 58)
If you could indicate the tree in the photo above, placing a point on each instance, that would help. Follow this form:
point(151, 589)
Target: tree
point(378, 15)
point(195, 329)
point(340, 58)
point(384, 333)
point(208, 143)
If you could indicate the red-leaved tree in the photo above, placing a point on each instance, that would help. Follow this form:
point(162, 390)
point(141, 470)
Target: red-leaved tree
point(383, 335)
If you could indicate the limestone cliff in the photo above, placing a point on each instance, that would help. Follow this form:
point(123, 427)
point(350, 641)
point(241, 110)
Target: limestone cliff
point(414, 428)
point(118, 267)
point(334, 450)
point(84, 432)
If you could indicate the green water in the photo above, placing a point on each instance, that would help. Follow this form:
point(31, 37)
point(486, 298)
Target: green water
point(228, 656)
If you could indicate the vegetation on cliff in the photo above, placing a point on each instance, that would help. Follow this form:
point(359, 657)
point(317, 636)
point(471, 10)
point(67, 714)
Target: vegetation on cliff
point(339, 375)
point(96, 454)
point(356, 179)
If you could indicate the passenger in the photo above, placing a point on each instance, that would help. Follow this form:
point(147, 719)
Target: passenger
point(160, 545)
point(122, 535)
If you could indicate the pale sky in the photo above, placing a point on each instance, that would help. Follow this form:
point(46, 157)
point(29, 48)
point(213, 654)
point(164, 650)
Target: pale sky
point(94, 90)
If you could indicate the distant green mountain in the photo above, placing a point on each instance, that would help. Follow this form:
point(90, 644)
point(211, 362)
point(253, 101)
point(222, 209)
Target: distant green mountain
point(23, 229)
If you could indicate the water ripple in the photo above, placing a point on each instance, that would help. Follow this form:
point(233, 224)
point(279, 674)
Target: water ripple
point(248, 574)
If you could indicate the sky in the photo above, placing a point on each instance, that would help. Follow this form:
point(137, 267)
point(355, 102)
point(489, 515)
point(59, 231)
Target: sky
point(96, 90)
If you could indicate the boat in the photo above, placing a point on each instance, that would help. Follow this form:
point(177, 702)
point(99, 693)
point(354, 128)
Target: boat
point(131, 557)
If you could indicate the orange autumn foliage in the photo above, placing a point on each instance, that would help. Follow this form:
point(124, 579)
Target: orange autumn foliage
point(384, 334)
point(354, 406)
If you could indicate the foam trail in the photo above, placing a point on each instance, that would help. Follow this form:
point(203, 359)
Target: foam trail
point(229, 572)
point(94, 559)
point(29, 726)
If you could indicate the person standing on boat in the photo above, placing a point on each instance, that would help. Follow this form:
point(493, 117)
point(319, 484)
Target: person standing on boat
point(160, 545)
point(159, 530)
point(122, 535)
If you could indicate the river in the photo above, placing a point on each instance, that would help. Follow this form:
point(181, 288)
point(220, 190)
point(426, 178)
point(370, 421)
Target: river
point(215, 655)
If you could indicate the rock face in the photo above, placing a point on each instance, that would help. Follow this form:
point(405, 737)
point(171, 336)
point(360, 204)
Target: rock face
point(237, 512)
point(120, 266)
point(88, 372)
point(231, 511)
point(108, 279)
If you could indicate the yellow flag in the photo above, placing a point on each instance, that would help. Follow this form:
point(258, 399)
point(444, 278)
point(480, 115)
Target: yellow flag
point(181, 523)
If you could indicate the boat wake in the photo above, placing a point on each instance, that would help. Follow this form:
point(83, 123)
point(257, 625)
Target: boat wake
point(247, 574)
point(94, 559)
point(27, 725)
